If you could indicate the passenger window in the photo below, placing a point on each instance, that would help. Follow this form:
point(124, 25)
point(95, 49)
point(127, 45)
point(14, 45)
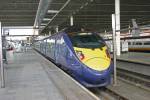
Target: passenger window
point(147, 43)
point(129, 43)
point(138, 43)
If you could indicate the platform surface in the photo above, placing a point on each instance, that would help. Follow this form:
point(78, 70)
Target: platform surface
point(29, 76)
point(136, 57)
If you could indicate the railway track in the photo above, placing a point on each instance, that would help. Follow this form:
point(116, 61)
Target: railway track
point(133, 75)
point(138, 80)
point(121, 92)
point(107, 94)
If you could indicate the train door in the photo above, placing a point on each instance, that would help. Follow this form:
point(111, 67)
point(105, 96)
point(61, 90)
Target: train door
point(57, 49)
point(48, 52)
point(45, 46)
point(52, 51)
point(62, 52)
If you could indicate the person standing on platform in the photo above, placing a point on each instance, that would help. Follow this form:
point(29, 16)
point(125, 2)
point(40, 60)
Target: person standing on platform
point(22, 46)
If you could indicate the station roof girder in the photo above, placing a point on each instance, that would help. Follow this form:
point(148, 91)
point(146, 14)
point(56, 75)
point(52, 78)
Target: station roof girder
point(97, 13)
point(91, 13)
point(18, 12)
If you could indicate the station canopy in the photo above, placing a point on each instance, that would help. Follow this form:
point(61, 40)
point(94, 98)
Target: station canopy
point(96, 14)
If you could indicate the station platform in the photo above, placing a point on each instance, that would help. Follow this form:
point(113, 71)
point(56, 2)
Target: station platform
point(138, 57)
point(29, 76)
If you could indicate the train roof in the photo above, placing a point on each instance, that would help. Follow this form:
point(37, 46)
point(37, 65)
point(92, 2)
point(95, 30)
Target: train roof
point(75, 29)
point(72, 30)
point(128, 38)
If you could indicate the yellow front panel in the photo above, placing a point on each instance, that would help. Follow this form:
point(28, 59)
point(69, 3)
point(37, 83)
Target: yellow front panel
point(95, 58)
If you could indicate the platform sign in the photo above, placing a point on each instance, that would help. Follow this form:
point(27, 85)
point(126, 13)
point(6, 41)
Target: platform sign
point(1, 60)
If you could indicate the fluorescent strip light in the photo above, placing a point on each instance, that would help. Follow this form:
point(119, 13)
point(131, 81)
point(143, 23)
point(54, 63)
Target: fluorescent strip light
point(43, 24)
point(52, 11)
point(46, 19)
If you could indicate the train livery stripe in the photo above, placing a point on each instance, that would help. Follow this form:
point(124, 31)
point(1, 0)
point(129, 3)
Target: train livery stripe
point(139, 49)
point(95, 58)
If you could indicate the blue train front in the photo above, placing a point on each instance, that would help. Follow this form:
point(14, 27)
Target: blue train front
point(84, 54)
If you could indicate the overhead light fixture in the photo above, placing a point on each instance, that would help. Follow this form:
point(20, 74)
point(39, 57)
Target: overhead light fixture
point(43, 24)
point(46, 19)
point(52, 11)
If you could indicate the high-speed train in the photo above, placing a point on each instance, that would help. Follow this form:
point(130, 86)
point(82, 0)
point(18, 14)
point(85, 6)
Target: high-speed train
point(84, 54)
point(136, 44)
point(140, 44)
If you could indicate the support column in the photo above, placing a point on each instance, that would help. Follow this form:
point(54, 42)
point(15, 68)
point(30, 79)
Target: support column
point(36, 31)
point(117, 13)
point(105, 32)
point(1, 60)
point(50, 33)
point(71, 20)
point(114, 47)
point(129, 30)
point(56, 29)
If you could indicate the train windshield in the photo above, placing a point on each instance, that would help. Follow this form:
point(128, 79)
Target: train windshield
point(87, 40)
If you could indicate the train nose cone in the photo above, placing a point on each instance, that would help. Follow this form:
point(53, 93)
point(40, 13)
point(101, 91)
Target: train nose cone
point(98, 63)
